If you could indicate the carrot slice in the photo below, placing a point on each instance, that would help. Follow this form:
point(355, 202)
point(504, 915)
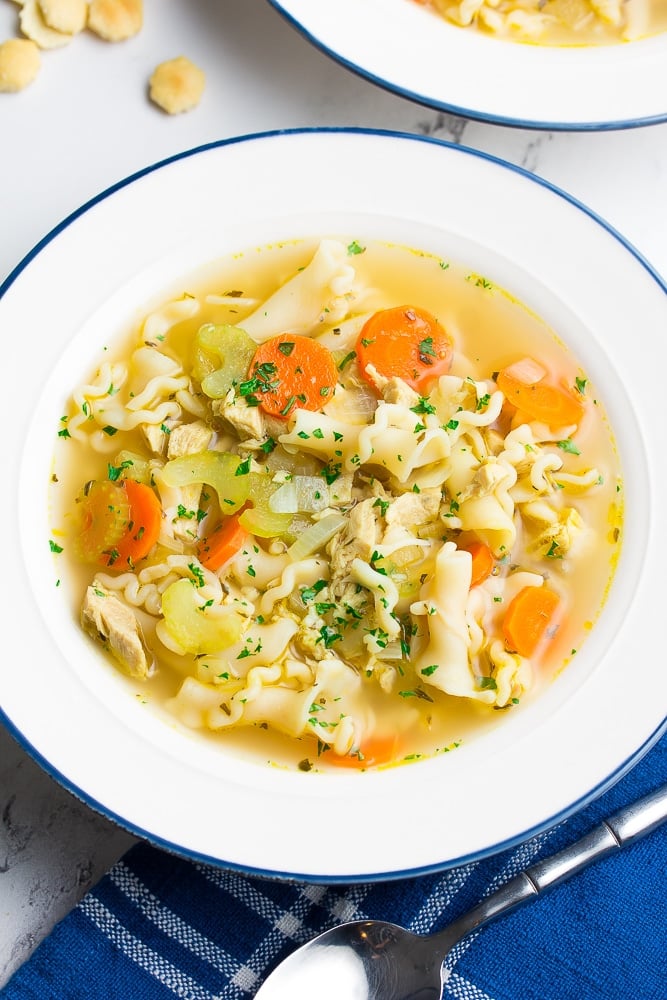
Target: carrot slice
point(407, 343)
point(529, 616)
point(528, 387)
point(143, 528)
point(375, 750)
point(290, 372)
point(482, 562)
point(119, 522)
point(224, 542)
point(104, 512)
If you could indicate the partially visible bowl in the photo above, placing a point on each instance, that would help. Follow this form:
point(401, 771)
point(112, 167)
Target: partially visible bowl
point(97, 271)
point(406, 48)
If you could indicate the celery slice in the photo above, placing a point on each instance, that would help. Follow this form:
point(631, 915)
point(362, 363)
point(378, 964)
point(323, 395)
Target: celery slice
point(215, 469)
point(222, 358)
point(195, 627)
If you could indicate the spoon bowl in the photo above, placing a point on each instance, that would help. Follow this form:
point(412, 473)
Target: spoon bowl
point(377, 960)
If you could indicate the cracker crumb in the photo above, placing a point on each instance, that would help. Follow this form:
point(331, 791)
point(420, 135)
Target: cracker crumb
point(19, 64)
point(177, 85)
point(115, 20)
point(69, 16)
point(35, 27)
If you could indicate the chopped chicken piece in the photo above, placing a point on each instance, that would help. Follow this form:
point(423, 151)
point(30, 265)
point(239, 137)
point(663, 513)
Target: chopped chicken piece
point(356, 540)
point(247, 421)
point(189, 439)
point(489, 475)
point(557, 537)
point(156, 436)
point(398, 391)
point(414, 508)
point(115, 625)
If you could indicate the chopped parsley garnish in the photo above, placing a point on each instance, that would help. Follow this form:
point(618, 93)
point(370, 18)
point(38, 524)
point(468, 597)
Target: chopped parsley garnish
point(355, 248)
point(110, 430)
point(382, 504)
point(426, 351)
point(310, 593)
point(328, 635)
point(423, 406)
point(114, 472)
point(568, 445)
point(346, 360)
point(243, 468)
point(286, 347)
point(580, 385)
point(197, 574)
point(54, 546)
point(268, 446)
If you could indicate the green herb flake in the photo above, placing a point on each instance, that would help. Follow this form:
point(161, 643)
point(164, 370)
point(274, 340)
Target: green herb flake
point(580, 385)
point(427, 351)
point(110, 430)
point(310, 593)
point(568, 445)
point(286, 347)
point(54, 546)
point(243, 468)
point(423, 406)
point(114, 472)
point(346, 360)
point(355, 248)
point(431, 669)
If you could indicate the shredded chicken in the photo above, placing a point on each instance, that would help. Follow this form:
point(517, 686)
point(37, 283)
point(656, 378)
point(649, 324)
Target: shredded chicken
point(115, 625)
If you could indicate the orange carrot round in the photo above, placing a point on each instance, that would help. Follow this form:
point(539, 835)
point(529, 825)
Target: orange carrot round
point(119, 522)
point(529, 387)
point(482, 562)
point(224, 542)
point(290, 372)
point(372, 751)
point(529, 616)
point(143, 529)
point(405, 342)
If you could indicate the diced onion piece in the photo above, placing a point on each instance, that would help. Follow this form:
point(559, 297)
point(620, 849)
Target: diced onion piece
point(265, 523)
point(301, 493)
point(392, 651)
point(316, 536)
point(527, 371)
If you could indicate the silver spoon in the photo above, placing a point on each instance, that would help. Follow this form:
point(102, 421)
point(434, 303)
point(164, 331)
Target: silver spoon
point(375, 960)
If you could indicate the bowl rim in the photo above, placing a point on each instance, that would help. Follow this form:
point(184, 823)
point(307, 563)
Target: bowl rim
point(317, 36)
point(166, 843)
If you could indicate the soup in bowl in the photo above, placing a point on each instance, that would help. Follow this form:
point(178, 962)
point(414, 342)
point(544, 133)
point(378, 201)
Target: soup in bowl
point(233, 639)
point(346, 500)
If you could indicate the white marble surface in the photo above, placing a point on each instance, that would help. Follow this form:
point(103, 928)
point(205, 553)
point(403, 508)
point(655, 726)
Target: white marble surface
point(86, 123)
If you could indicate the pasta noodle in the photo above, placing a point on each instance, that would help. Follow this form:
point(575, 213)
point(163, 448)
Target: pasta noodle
point(558, 22)
point(298, 547)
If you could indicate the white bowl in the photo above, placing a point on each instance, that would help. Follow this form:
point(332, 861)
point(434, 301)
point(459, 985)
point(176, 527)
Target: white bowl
point(406, 48)
point(97, 270)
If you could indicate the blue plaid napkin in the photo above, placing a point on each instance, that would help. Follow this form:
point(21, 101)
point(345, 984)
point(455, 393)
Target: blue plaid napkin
point(158, 927)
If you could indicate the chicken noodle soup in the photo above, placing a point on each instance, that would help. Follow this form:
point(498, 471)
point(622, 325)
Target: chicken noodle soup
point(558, 22)
point(346, 503)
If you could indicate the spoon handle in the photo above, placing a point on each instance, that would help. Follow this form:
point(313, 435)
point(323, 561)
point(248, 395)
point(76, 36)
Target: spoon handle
point(624, 827)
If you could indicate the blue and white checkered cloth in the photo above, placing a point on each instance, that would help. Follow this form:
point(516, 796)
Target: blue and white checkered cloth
point(158, 927)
